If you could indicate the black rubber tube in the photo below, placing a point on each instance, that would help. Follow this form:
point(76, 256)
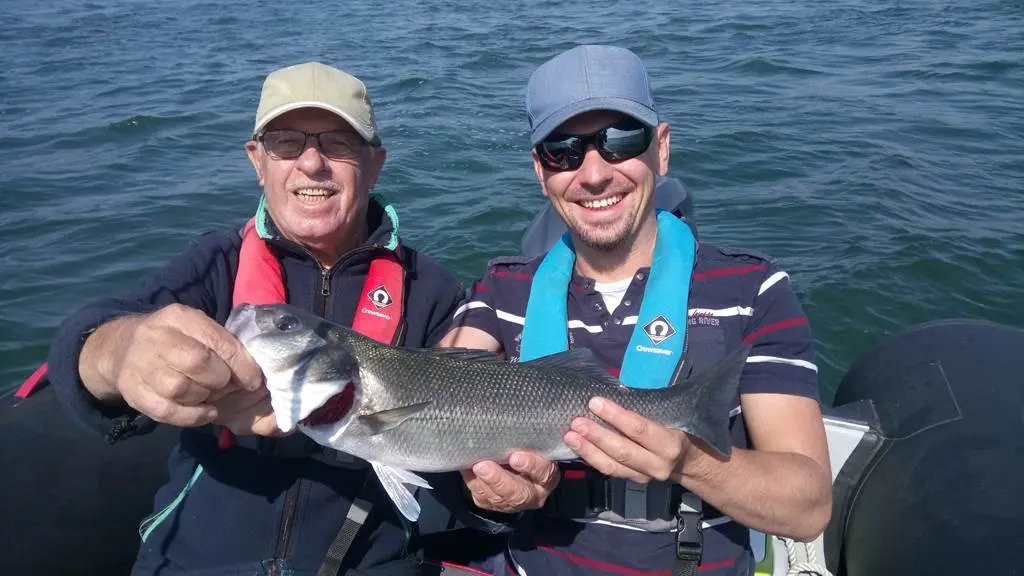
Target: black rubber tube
point(70, 503)
point(944, 497)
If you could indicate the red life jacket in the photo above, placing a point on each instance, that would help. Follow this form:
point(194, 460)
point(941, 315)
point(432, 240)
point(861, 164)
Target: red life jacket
point(259, 281)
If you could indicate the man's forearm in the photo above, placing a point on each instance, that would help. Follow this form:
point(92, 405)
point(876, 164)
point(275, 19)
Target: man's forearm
point(102, 356)
point(780, 493)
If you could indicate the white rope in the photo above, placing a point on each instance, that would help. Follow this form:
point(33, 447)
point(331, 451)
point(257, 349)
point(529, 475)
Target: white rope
point(807, 565)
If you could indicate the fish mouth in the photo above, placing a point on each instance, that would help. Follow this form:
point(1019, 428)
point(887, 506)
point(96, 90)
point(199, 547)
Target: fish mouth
point(334, 409)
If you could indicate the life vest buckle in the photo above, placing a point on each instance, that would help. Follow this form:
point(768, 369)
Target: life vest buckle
point(689, 534)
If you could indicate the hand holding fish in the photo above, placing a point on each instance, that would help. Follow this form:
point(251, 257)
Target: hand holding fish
point(176, 364)
point(247, 412)
point(637, 449)
point(526, 487)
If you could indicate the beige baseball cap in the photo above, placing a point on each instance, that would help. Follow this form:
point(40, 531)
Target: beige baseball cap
point(316, 85)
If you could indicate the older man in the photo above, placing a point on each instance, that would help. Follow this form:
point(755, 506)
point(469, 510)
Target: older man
point(241, 499)
point(633, 286)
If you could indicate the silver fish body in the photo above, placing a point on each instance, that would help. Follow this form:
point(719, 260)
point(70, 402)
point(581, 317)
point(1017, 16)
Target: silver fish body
point(423, 410)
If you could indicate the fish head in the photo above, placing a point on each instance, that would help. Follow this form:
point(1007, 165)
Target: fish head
point(311, 372)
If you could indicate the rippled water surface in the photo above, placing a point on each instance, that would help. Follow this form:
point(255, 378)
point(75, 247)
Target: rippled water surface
point(875, 148)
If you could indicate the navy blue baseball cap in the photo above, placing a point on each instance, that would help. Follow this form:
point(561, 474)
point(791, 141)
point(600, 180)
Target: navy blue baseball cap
point(585, 78)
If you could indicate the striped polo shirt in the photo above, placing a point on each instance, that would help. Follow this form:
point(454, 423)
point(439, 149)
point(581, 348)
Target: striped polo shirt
point(736, 297)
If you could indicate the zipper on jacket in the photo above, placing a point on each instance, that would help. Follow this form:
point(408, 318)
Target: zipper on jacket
point(291, 497)
point(320, 298)
point(291, 501)
point(325, 282)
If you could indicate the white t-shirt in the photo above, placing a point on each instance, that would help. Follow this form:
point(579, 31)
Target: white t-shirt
point(612, 292)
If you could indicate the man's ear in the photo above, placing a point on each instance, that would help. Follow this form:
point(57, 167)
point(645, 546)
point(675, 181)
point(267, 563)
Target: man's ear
point(378, 155)
point(538, 169)
point(664, 148)
point(252, 149)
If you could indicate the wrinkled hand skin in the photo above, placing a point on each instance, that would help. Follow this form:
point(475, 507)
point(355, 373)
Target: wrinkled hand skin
point(247, 412)
point(181, 367)
point(525, 486)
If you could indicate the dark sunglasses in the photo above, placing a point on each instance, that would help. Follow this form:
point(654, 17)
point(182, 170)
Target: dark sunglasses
point(289, 144)
point(615, 143)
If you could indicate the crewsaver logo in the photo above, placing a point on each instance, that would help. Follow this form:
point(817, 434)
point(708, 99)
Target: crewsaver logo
point(659, 330)
point(380, 297)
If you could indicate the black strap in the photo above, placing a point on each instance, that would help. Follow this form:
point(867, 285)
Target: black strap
point(583, 493)
point(689, 537)
point(355, 519)
point(294, 446)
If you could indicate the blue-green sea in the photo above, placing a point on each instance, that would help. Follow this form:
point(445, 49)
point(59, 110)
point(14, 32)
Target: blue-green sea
point(876, 148)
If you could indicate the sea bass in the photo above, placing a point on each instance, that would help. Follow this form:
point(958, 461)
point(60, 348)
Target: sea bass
point(437, 410)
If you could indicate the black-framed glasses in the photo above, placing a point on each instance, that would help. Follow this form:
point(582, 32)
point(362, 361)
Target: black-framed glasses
point(289, 144)
point(615, 143)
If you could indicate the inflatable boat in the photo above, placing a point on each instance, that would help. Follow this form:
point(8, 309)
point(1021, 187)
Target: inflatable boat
point(926, 440)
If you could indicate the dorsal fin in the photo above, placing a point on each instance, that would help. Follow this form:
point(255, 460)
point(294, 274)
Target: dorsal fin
point(470, 354)
point(579, 360)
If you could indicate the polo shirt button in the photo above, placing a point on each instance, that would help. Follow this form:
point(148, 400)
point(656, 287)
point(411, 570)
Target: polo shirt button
point(618, 321)
point(640, 276)
point(627, 303)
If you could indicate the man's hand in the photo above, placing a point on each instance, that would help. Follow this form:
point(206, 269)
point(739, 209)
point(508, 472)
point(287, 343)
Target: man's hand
point(175, 365)
point(781, 487)
point(246, 412)
point(636, 449)
point(525, 488)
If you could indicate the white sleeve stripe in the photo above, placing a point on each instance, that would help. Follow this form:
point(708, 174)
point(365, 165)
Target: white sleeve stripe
point(716, 312)
point(771, 281)
point(510, 317)
point(571, 324)
point(722, 312)
point(627, 321)
point(777, 360)
point(579, 324)
point(469, 306)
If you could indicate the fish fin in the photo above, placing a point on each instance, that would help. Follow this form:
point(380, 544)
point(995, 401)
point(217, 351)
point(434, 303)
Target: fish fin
point(394, 480)
point(470, 354)
point(387, 419)
point(711, 395)
point(579, 361)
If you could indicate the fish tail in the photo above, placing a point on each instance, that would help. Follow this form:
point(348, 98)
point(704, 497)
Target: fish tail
point(710, 395)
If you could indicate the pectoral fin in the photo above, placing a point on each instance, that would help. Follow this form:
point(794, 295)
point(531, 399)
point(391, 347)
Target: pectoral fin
point(387, 419)
point(394, 481)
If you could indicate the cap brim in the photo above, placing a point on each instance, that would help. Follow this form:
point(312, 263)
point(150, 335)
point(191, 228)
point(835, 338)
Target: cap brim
point(623, 105)
point(280, 110)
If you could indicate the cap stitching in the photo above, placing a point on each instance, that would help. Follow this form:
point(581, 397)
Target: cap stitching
point(586, 71)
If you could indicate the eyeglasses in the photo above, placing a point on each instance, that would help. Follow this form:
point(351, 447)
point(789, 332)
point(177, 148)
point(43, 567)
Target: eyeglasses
point(289, 144)
point(616, 143)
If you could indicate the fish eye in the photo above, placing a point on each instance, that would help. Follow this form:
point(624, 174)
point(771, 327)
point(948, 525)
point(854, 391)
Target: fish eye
point(286, 323)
